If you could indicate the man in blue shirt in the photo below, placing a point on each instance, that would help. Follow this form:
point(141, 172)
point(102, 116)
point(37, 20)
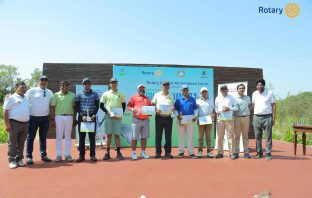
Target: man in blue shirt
point(87, 104)
point(186, 111)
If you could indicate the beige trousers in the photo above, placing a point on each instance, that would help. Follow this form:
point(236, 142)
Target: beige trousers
point(228, 128)
point(241, 128)
point(204, 130)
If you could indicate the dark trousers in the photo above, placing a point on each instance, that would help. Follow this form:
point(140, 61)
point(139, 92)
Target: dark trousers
point(35, 122)
point(263, 123)
point(17, 140)
point(82, 140)
point(161, 124)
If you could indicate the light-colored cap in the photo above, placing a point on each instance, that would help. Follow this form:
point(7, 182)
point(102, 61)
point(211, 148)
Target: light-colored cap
point(185, 86)
point(140, 85)
point(203, 89)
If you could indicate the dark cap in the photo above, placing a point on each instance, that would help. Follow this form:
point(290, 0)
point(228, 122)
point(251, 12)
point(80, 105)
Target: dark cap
point(86, 80)
point(43, 77)
point(113, 80)
point(223, 87)
point(165, 82)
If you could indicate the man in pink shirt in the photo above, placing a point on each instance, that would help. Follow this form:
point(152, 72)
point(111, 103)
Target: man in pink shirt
point(140, 122)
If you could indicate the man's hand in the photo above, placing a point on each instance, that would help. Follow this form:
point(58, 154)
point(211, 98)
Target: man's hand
point(179, 117)
point(93, 118)
point(225, 109)
point(158, 111)
point(194, 119)
point(84, 118)
point(53, 123)
point(213, 117)
point(273, 121)
point(8, 128)
point(74, 122)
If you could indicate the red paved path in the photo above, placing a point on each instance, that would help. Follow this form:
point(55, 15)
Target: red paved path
point(286, 175)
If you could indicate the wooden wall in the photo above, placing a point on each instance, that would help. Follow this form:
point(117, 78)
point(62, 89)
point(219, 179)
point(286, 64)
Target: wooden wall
point(101, 73)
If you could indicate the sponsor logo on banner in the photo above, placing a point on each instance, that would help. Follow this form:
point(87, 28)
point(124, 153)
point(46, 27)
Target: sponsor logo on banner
point(292, 10)
point(181, 73)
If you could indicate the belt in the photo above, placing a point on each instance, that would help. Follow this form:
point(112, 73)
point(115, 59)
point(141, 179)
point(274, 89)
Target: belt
point(12, 120)
point(263, 114)
point(65, 115)
point(242, 116)
point(140, 118)
point(164, 116)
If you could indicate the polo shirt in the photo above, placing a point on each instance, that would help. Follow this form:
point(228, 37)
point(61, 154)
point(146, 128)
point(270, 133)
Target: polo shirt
point(137, 101)
point(40, 100)
point(113, 99)
point(64, 103)
point(87, 100)
point(205, 107)
point(227, 101)
point(186, 106)
point(243, 103)
point(263, 102)
point(18, 107)
point(160, 98)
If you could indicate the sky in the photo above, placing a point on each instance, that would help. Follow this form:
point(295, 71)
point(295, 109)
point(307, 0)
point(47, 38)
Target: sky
point(185, 32)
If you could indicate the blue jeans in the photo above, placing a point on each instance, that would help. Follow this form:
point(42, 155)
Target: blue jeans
point(35, 122)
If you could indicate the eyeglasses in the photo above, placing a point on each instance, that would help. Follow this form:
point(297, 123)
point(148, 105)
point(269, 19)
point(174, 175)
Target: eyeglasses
point(44, 93)
point(166, 84)
point(64, 85)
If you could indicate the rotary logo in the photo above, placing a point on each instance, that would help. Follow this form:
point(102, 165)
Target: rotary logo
point(292, 10)
point(158, 73)
point(181, 73)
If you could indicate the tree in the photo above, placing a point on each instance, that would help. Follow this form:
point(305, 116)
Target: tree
point(34, 78)
point(8, 76)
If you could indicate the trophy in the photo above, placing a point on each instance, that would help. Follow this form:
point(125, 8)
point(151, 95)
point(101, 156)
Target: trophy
point(88, 115)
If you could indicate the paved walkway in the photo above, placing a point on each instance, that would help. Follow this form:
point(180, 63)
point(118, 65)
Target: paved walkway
point(285, 175)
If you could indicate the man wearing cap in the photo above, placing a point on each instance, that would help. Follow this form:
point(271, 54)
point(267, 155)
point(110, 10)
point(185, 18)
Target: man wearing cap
point(225, 104)
point(110, 100)
point(205, 108)
point(186, 106)
point(87, 106)
point(241, 121)
point(62, 116)
point(140, 122)
point(263, 101)
point(39, 99)
point(163, 119)
point(16, 117)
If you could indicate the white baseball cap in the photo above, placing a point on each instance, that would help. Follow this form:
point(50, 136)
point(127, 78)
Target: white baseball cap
point(140, 85)
point(203, 89)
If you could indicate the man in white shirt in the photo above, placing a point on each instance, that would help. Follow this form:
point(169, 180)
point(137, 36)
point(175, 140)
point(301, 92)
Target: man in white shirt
point(16, 117)
point(39, 99)
point(263, 101)
point(225, 104)
point(205, 109)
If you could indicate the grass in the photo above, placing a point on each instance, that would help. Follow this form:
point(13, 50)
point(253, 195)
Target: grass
point(3, 133)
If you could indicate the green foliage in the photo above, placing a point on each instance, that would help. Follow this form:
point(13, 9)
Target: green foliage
point(293, 109)
point(8, 75)
point(33, 81)
point(3, 133)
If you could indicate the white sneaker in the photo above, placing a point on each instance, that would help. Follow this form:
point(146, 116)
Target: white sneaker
point(134, 156)
point(200, 154)
point(12, 165)
point(20, 163)
point(210, 155)
point(144, 155)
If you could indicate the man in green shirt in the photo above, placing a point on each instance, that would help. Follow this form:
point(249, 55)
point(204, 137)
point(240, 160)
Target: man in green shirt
point(113, 103)
point(62, 116)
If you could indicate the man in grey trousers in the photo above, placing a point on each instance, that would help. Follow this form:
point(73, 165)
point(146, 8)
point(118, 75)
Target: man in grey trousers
point(263, 101)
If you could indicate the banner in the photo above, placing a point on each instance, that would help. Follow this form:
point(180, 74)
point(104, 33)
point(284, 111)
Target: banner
point(233, 92)
point(129, 77)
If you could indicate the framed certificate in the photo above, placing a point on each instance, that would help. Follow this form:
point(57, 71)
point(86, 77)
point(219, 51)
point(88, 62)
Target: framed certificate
point(87, 127)
point(148, 110)
point(203, 120)
point(117, 112)
point(187, 119)
point(165, 108)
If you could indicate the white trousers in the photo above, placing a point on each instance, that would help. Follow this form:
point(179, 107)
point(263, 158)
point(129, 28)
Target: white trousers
point(64, 126)
point(186, 130)
point(225, 127)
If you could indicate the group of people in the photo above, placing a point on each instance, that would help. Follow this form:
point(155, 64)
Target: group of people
point(26, 111)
